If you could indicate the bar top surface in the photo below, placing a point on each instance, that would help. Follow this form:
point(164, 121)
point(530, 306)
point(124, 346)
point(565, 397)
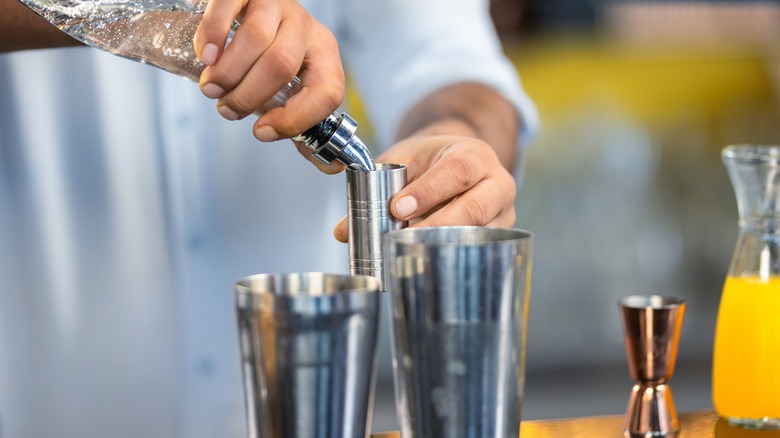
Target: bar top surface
point(692, 424)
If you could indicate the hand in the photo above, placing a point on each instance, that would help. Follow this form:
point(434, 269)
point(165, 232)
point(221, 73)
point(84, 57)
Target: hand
point(453, 180)
point(277, 40)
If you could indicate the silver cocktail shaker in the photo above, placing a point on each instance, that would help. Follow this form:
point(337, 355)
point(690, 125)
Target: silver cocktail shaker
point(308, 353)
point(368, 198)
point(459, 300)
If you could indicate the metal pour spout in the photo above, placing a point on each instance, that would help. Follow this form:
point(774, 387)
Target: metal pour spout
point(334, 139)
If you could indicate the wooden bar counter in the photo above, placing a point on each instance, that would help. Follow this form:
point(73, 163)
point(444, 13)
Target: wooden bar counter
point(693, 424)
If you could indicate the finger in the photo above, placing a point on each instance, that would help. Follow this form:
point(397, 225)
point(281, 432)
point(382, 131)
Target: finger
point(415, 165)
point(506, 219)
point(458, 170)
point(322, 76)
point(329, 169)
point(212, 33)
point(489, 201)
point(416, 159)
point(260, 25)
point(341, 231)
point(275, 68)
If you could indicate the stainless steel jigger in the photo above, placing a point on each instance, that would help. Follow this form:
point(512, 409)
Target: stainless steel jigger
point(651, 329)
point(368, 198)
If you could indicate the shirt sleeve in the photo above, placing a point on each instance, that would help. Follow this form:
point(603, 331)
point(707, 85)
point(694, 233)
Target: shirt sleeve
point(400, 51)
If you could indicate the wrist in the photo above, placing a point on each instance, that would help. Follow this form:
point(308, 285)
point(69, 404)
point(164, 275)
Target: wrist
point(462, 128)
point(470, 110)
point(448, 126)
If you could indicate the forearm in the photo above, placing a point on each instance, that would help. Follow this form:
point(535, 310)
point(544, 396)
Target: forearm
point(471, 110)
point(22, 29)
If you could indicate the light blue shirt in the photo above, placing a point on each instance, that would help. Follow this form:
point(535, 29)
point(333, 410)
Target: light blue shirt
point(128, 207)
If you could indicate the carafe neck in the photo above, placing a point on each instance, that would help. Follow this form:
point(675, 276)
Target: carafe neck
point(759, 225)
point(755, 175)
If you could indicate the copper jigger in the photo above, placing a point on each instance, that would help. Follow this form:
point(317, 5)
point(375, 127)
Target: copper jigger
point(651, 329)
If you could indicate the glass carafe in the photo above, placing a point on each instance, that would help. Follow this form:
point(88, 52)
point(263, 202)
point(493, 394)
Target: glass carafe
point(746, 363)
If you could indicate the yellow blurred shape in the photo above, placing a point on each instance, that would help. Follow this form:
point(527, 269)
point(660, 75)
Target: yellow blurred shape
point(652, 83)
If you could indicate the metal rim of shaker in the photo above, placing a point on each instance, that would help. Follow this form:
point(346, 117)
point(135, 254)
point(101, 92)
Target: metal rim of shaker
point(406, 236)
point(363, 284)
point(651, 301)
point(379, 167)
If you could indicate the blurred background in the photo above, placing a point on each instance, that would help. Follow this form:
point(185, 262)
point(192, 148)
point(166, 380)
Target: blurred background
point(623, 189)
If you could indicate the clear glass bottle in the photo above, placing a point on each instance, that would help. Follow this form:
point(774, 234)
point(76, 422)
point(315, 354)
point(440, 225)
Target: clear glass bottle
point(746, 363)
point(160, 33)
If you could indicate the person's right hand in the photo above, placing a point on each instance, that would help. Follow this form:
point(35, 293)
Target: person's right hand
point(277, 40)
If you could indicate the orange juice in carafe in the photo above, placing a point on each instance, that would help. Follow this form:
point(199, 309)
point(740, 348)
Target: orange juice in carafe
point(746, 360)
point(746, 365)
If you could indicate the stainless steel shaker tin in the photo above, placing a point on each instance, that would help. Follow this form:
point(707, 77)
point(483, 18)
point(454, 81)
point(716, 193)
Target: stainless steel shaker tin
point(308, 353)
point(368, 198)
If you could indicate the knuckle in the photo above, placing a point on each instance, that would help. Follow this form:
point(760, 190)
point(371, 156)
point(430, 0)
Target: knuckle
point(324, 99)
point(208, 29)
point(333, 96)
point(460, 170)
point(484, 152)
point(300, 13)
point(283, 63)
point(225, 78)
point(326, 40)
point(484, 149)
point(239, 102)
point(287, 127)
point(427, 194)
point(258, 33)
point(214, 24)
point(297, 13)
point(476, 212)
point(285, 123)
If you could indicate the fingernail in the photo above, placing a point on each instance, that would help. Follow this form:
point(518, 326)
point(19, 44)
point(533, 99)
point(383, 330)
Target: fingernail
point(227, 113)
point(209, 54)
point(212, 91)
point(266, 133)
point(406, 206)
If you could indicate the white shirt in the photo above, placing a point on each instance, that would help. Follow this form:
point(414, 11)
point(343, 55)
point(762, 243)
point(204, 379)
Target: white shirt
point(128, 207)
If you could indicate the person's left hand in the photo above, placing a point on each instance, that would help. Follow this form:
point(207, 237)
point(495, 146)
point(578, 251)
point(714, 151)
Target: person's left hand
point(453, 180)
